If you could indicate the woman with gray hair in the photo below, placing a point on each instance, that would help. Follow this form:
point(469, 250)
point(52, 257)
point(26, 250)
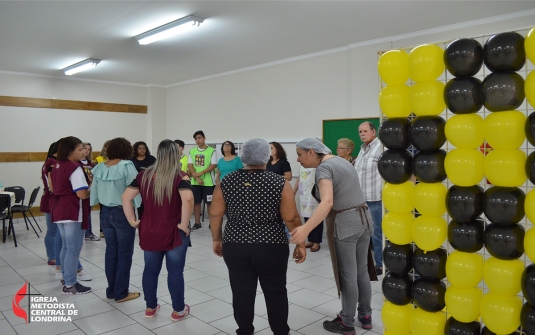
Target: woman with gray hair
point(255, 246)
point(349, 227)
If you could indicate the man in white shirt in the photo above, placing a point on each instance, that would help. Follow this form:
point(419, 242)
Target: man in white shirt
point(372, 185)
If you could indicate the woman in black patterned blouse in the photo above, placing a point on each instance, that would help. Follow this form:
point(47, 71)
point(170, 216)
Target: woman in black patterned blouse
point(255, 245)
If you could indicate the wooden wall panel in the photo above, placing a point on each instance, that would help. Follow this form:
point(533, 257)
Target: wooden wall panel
point(14, 157)
point(71, 104)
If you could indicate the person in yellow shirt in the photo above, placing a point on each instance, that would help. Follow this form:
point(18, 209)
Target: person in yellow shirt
point(183, 157)
point(103, 156)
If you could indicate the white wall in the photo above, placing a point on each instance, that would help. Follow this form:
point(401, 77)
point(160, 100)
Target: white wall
point(33, 129)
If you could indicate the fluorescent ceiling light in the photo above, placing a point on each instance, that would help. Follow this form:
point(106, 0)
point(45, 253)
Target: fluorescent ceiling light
point(170, 29)
point(82, 66)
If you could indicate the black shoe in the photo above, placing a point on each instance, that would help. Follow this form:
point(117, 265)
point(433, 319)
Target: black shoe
point(196, 227)
point(379, 270)
point(337, 326)
point(365, 321)
point(76, 289)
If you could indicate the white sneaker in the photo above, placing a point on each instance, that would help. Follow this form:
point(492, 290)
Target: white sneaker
point(82, 275)
point(57, 272)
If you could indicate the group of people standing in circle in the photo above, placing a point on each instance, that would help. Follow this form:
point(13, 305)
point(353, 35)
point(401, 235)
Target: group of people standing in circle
point(253, 192)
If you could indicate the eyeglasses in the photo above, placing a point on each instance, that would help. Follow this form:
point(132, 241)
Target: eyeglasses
point(340, 148)
point(227, 145)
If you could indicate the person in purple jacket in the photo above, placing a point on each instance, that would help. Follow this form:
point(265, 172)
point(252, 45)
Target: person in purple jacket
point(69, 208)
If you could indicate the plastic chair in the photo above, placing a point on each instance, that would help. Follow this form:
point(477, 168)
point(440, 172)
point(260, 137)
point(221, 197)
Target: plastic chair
point(23, 209)
point(5, 214)
point(20, 194)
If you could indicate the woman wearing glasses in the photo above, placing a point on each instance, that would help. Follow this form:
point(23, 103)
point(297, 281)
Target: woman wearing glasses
point(230, 162)
point(345, 148)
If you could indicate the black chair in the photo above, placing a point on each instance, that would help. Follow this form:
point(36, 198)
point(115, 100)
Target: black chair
point(23, 209)
point(5, 214)
point(19, 207)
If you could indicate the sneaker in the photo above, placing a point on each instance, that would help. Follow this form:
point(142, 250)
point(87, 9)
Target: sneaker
point(92, 237)
point(62, 282)
point(149, 312)
point(83, 276)
point(76, 289)
point(57, 272)
point(53, 263)
point(176, 316)
point(337, 326)
point(196, 227)
point(366, 321)
point(101, 234)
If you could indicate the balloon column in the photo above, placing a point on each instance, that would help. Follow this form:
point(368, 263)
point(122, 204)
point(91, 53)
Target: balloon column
point(414, 115)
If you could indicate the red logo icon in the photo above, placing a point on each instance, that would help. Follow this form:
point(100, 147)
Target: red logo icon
point(15, 302)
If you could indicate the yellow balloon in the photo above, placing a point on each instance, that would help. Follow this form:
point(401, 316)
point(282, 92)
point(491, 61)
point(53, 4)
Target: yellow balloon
point(463, 303)
point(501, 313)
point(395, 101)
point(393, 67)
point(397, 198)
point(529, 45)
point(464, 167)
point(429, 232)
point(529, 206)
point(426, 63)
point(505, 167)
point(529, 243)
point(464, 270)
point(430, 198)
point(465, 131)
point(397, 318)
point(529, 88)
point(503, 277)
point(428, 98)
point(505, 130)
point(389, 332)
point(398, 227)
point(426, 323)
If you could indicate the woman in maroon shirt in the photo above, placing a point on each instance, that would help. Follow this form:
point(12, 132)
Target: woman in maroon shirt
point(163, 227)
point(51, 227)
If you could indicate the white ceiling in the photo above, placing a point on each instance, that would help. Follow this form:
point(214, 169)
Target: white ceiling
point(42, 37)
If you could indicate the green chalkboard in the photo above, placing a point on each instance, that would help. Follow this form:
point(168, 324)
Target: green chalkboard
point(333, 130)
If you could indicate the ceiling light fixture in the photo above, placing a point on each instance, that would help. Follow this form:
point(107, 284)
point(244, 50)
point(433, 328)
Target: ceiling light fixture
point(170, 29)
point(82, 66)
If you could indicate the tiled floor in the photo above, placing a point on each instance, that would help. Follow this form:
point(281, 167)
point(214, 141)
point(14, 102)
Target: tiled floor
point(311, 292)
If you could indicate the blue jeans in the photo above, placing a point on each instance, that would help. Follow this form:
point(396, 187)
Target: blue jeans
point(175, 260)
point(376, 210)
point(58, 244)
point(89, 230)
point(119, 250)
point(50, 237)
point(72, 236)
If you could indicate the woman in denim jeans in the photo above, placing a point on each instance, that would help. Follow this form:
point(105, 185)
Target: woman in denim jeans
point(163, 226)
point(110, 179)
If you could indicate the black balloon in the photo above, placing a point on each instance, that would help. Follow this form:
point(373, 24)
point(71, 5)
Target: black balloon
point(504, 205)
point(394, 133)
point(466, 237)
point(454, 327)
point(431, 264)
point(465, 203)
point(528, 283)
point(527, 319)
point(428, 166)
point(530, 167)
point(395, 166)
point(503, 91)
point(530, 128)
point(426, 133)
point(486, 331)
point(464, 95)
point(398, 258)
point(505, 242)
point(464, 57)
point(397, 289)
point(504, 52)
point(429, 294)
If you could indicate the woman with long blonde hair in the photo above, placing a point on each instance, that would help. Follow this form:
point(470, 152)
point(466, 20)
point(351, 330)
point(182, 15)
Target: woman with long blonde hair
point(163, 227)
